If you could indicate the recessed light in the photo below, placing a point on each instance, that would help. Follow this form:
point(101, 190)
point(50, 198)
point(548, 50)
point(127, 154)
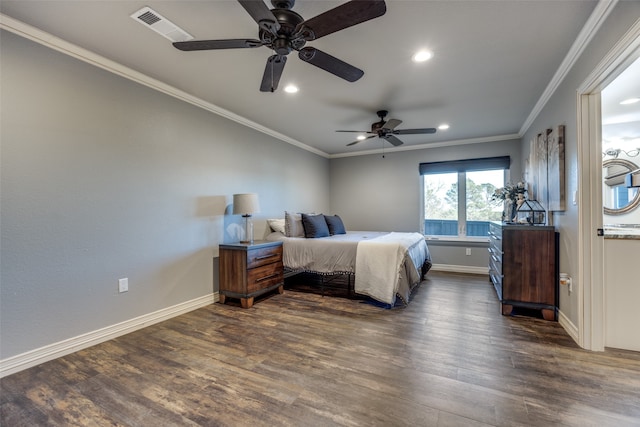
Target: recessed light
point(630, 101)
point(443, 126)
point(291, 89)
point(361, 137)
point(422, 56)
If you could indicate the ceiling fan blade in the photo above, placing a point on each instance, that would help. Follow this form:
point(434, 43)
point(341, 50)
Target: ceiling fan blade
point(272, 73)
point(413, 131)
point(393, 140)
point(360, 140)
point(261, 14)
point(217, 44)
point(331, 64)
point(391, 124)
point(341, 17)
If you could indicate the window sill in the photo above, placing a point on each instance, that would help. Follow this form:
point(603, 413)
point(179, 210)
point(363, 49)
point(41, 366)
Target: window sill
point(456, 239)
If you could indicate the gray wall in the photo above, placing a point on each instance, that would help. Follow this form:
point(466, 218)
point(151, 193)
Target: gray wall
point(102, 178)
point(562, 109)
point(375, 193)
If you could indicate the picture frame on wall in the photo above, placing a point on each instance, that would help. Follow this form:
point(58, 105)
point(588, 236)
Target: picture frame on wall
point(541, 173)
point(555, 169)
point(545, 169)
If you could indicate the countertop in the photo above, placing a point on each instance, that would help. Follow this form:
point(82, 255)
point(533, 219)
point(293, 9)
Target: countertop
point(622, 231)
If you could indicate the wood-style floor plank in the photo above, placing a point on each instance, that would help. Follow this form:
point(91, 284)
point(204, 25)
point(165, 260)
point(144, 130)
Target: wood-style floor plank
point(302, 359)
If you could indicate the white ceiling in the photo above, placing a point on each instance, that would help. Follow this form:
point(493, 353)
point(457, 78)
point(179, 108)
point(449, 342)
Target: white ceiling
point(492, 62)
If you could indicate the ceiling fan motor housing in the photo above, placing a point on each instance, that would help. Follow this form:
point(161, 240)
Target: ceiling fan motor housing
point(285, 41)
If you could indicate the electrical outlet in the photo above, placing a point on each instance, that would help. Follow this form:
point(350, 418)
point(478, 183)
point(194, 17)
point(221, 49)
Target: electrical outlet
point(123, 285)
point(468, 251)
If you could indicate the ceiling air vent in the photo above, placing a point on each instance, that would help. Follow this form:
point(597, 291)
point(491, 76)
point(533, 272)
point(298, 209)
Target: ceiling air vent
point(161, 25)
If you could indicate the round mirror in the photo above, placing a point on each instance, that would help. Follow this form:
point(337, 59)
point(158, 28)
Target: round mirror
point(617, 199)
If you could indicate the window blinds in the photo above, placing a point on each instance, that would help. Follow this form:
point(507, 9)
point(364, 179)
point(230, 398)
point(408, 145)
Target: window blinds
point(466, 165)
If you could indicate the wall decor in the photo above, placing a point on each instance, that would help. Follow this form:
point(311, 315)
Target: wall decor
point(555, 169)
point(532, 169)
point(545, 169)
point(540, 169)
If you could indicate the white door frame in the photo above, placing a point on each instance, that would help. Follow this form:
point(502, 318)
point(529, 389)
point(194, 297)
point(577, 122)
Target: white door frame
point(591, 306)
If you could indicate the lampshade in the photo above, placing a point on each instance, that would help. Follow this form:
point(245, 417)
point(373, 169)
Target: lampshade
point(245, 204)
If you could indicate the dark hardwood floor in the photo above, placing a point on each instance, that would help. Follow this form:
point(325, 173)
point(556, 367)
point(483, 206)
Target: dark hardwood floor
point(301, 359)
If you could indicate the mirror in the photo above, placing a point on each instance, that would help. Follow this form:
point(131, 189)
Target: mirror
point(617, 199)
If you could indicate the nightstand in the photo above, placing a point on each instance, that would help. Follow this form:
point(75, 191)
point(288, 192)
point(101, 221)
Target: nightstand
point(248, 270)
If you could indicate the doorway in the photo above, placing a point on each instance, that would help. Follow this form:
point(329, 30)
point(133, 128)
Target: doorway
point(592, 309)
point(620, 102)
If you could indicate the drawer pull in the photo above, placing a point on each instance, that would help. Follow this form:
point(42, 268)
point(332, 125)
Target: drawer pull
point(260, 258)
point(261, 279)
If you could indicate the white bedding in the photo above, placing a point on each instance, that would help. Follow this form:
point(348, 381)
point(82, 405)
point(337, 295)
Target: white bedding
point(384, 280)
point(380, 263)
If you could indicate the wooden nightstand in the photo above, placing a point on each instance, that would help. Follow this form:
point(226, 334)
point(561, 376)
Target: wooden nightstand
point(248, 270)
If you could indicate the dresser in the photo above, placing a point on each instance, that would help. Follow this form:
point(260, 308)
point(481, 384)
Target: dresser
point(248, 270)
point(523, 262)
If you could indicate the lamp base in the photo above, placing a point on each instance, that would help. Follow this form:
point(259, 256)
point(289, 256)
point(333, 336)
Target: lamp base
point(248, 230)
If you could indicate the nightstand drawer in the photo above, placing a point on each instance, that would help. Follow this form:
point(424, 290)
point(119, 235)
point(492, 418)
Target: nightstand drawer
point(264, 277)
point(264, 256)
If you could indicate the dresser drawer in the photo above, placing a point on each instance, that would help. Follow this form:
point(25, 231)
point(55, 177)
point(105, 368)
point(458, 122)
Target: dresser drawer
point(495, 230)
point(264, 256)
point(264, 277)
point(495, 264)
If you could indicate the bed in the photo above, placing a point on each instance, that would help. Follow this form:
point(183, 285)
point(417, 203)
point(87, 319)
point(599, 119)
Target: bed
point(384, 266)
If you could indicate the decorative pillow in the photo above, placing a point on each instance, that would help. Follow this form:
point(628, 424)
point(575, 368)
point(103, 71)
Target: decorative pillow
point(277, 225)
point(335, 225)
point(293, 225)
point(315, 226)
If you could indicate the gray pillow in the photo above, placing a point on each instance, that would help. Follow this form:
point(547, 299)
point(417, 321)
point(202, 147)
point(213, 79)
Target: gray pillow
point(335, 225)
point(293, 225)
point(314, 226)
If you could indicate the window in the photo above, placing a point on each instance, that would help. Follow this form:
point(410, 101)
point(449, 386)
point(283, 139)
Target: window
point(457, 196)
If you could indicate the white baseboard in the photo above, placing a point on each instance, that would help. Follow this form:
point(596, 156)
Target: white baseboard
point(17, 363)
point(568, 326)
point(460, 269)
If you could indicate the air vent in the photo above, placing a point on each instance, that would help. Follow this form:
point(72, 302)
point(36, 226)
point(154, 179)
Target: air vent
point(161, 25)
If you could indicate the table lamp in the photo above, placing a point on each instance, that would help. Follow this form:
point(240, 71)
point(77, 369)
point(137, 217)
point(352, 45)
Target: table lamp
point(245, 205)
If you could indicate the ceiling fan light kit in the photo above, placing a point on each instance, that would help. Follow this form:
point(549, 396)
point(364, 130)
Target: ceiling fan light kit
point(282, 30)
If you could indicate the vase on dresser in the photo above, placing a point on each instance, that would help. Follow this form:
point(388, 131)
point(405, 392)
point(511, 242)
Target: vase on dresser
point(509, 210)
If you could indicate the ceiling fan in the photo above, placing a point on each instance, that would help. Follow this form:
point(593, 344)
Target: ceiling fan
point(283, 30)
point(387, 130)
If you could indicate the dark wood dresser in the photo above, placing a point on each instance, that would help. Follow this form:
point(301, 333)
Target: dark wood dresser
point(523, 262)
point(248, 270)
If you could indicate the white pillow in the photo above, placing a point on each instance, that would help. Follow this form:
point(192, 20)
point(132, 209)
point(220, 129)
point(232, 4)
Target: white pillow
point(277, 225)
